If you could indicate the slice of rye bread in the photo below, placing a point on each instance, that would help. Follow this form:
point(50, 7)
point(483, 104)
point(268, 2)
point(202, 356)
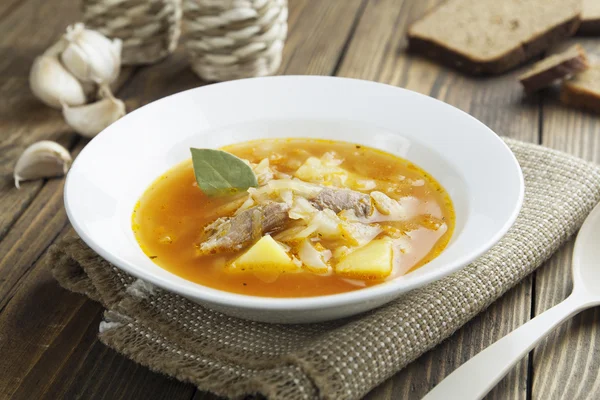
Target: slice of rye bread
point(583, 90)
point(590, 18)
point(493, 36)
point(558, 66)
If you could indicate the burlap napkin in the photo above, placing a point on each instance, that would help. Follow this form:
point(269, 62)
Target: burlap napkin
point(341, 359)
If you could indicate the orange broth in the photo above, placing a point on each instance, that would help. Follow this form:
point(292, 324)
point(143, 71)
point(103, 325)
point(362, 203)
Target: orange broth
point(170, 216)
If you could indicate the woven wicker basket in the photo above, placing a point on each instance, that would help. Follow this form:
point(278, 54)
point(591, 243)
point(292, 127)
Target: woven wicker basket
point(149, 29)
point(232, 39)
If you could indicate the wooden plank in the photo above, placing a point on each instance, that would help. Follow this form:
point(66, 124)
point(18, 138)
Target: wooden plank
point(163, 79)
point(566, 364)
point(30, 30)
point(36, 219)
point(26, 34)
point(377, 52)
point(62, 340)
point(7, 7)
point(496, 101)
point(295, 8)
point(32, 233)
point(25, 335)
point(25, 119)
point(30, 236)
point(311, 51)
point(35, 212)
point(49, 347)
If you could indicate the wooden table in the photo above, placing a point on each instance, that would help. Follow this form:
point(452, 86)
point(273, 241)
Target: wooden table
point(48, 345)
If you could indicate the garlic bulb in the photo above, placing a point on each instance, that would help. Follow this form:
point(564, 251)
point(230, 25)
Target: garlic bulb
point(53, 84)
point(90, 56)
point(43, 159)
point(91, 119)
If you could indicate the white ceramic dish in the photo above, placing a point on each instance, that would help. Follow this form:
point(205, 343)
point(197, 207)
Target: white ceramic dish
point(467, 158)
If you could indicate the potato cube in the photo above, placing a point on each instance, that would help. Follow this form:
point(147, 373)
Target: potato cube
point(374, 261)
point(264, 256)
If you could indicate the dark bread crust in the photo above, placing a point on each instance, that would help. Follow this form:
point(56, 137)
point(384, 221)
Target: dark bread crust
point(502, 64)
point(562, 70)
point(581, 98)
point(589, 27)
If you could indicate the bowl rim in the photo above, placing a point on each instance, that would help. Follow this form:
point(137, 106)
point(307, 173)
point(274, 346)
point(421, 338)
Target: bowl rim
point(242, 301)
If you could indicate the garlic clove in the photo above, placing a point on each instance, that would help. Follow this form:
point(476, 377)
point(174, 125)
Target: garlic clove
point(91, 119)
point(109, 47)
point(53, 84)
point(75, 60)
point(91, 56)
point(43, 159)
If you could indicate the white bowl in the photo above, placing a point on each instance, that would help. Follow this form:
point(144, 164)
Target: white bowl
point(474, 165)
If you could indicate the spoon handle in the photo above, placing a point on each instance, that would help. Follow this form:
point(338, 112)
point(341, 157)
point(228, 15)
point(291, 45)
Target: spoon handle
point(480, 374)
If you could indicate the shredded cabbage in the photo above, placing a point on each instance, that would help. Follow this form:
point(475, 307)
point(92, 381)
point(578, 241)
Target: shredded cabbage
point(313, 259)
point(287, 196)
point(327, 224)
point(324, 224)
point(263, 171)
point(365, 184)
point(289, 235)
point(324, 170)
point(388, 209)
point(350, 215)
point(302, 209)
point(359, 234)
point(273, 188)
point(330, 160)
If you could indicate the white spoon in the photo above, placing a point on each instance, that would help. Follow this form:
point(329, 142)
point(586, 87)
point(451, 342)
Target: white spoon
point(475, 378)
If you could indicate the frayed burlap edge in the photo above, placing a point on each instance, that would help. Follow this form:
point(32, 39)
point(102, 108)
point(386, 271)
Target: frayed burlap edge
point(177, 356)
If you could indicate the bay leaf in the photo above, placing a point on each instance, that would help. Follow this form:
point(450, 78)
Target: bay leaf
point(220, 173)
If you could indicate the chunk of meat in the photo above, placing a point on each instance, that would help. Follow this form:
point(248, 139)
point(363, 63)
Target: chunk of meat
point(343, 199)
point(230, 234)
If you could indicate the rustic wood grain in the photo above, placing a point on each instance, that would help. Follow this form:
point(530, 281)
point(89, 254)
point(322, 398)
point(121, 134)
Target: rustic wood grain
point(36, 224)
point(498, 102)
point(35, 213)
point(7, 7)
point(316, 40)
point(49, 347)
point(54, 354)
point(33, 232)
point(62, 357)
point(566, 364)
point(48, 335)
point(24, 118)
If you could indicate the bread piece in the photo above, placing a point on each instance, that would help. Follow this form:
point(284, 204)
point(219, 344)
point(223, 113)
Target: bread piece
point(590, 18)
point(583, 90)
point(492, 36)
point(555, 67)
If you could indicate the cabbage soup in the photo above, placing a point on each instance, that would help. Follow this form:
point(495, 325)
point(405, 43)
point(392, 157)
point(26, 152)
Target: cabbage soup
point(293, 218)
